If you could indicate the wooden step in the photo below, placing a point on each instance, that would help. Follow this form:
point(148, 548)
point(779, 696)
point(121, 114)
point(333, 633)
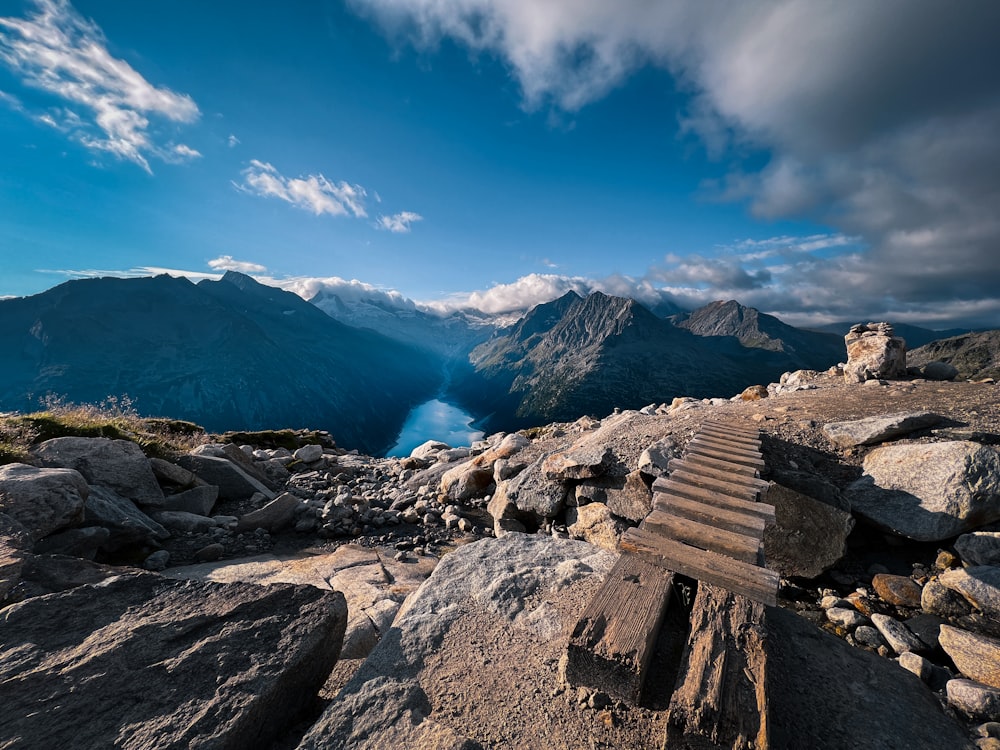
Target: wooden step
point(717, 500)
point(612, 644)
point(704, 536)
point(748, 441)
point(751, 581)
point(724, 455)
point(719, 444)
point(729, 519)
point(678, 479)
point(738, 429)
point(718, 463)
point(712, 472)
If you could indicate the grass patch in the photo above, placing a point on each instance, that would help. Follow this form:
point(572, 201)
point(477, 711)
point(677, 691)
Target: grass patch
point(113, 418)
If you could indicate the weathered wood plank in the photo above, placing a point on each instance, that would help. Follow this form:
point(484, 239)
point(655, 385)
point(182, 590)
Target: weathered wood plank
point(721, 691)
point(705, 536)
point(759, 584)
point(718, 463)
point(693, 481)
point(612, 643)
point(730, 519)
point(750, 442)
point(714, 499)
point(722, 453)
point(713, 472)
point(725, 445)
point(730, 427)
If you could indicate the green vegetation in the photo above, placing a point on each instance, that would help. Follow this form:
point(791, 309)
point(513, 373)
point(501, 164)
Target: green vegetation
point(114, 417)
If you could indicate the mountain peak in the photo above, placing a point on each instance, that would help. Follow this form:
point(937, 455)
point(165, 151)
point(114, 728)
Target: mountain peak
point(240, 280)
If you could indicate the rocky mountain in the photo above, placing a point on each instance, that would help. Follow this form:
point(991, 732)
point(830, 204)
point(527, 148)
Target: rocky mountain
point(915, 336)
point(757, 330)
point(576, 355)
point(974, 355)
point(229, 354)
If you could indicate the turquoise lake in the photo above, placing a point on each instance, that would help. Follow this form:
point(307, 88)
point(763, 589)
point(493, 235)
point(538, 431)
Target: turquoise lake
point(435, 420)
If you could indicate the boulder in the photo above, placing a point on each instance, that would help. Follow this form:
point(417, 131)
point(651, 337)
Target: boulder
point(531, 493)
point(308, 453)
point(180, 520)
point(467, 481)
point(873, 430)
point(507, 602)
point(584, 461)
point(119, 465)
point(977, 701)
point(232, 481)
point(626, 496)
point(979, 547)
point(165, 664)
point(594, 523)
point(120, 516)
point(939, 371)
point(80, 542)
point(897, 635)
point(274, 516)
point(428, 450)
point(15, 541)
point(511, 445)
point(173, 475)
point(900, 591)
point(47, 574)
point(874, 353)
point(929, 491)
point(938, 599)
point(198, 500)
point(754, 393)
point(42, 500)
point(979, 585)
point(654, 461)
point(808, 536)
point(976, 656)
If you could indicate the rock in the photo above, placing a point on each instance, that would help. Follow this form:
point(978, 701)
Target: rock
point(515, 598)
point(754, 393)
point(626, 497)
point(42, 500)
point(873, 353)
point(846, 618)
point(429, 449)
point(979, 547)
point(980, 586)
point(808, 536)
point(173, 475)
point(117, 464)
point(899, 591)
point(232, 481)
point(873, 430)
point(210, 552)
point(932, 675)
point(274, 516)
point(127, 524)
point(581, 461)
point(594, 523)
point(978, 702)
point(939, 371)
point(655, 460)
point(976, 656)
point(945, 559)
point(510, 446)
point(11, 566)
point(79, 542)
point(813, 486)
point(308, 453)
point(47, 574)
point(531, 493)
point(165, 664)
point(467, 481)
point(180, 520)
point(896, 634)
point(938, 599)
point(929, 491)
point(198, 500)
point(868, 636)
point(926, 627)
point(157, 561)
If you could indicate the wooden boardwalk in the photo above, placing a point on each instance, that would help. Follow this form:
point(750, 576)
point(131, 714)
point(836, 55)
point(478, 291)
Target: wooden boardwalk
point(707, 522)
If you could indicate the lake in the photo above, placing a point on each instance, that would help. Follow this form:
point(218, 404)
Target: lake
point(435, 420)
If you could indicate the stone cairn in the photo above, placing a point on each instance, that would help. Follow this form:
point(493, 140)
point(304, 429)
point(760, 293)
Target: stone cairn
point(874, 353)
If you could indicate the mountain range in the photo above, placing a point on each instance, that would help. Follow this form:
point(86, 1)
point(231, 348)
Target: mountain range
point(235, 354)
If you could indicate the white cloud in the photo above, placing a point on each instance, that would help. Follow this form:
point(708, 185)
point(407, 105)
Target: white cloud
point(60, 52)
point(398, 222)
point(186, 152)
point(313, 193)
point(232, 141)
point(228, 263)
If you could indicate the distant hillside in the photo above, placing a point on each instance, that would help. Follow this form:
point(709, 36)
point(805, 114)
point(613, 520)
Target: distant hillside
point(576, 356)
point(229, 354)
point(756, 330)
point(975, 355)
point(915, 336)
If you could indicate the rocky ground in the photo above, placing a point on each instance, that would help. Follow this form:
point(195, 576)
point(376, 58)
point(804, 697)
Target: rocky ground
point(472, 660)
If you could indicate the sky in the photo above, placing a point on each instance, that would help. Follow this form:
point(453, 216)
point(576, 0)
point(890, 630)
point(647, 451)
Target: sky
point(818, 160)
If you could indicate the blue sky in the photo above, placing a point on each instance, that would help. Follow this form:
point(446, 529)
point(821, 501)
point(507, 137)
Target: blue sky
point(820, 161)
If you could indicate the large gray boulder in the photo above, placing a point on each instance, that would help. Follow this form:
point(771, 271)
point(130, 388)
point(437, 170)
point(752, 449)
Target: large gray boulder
point(531, 492)
point(979, 547)
point(233, 482)
point(117, 464)
point(505, 602)
point(873, 352)
point(873, 430)
point(979, 585)
point(42, 500)
point(929, 491)
point(626, 496)
point(144, 661)
point(120, 516)
point(808, 536)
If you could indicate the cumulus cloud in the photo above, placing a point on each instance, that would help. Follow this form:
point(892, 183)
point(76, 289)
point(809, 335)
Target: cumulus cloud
point(313, 193)
point(878, 119)
point(104, 103)
point(318, 288)
point(398, 223)
point(228, 263)
point(232, 141)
